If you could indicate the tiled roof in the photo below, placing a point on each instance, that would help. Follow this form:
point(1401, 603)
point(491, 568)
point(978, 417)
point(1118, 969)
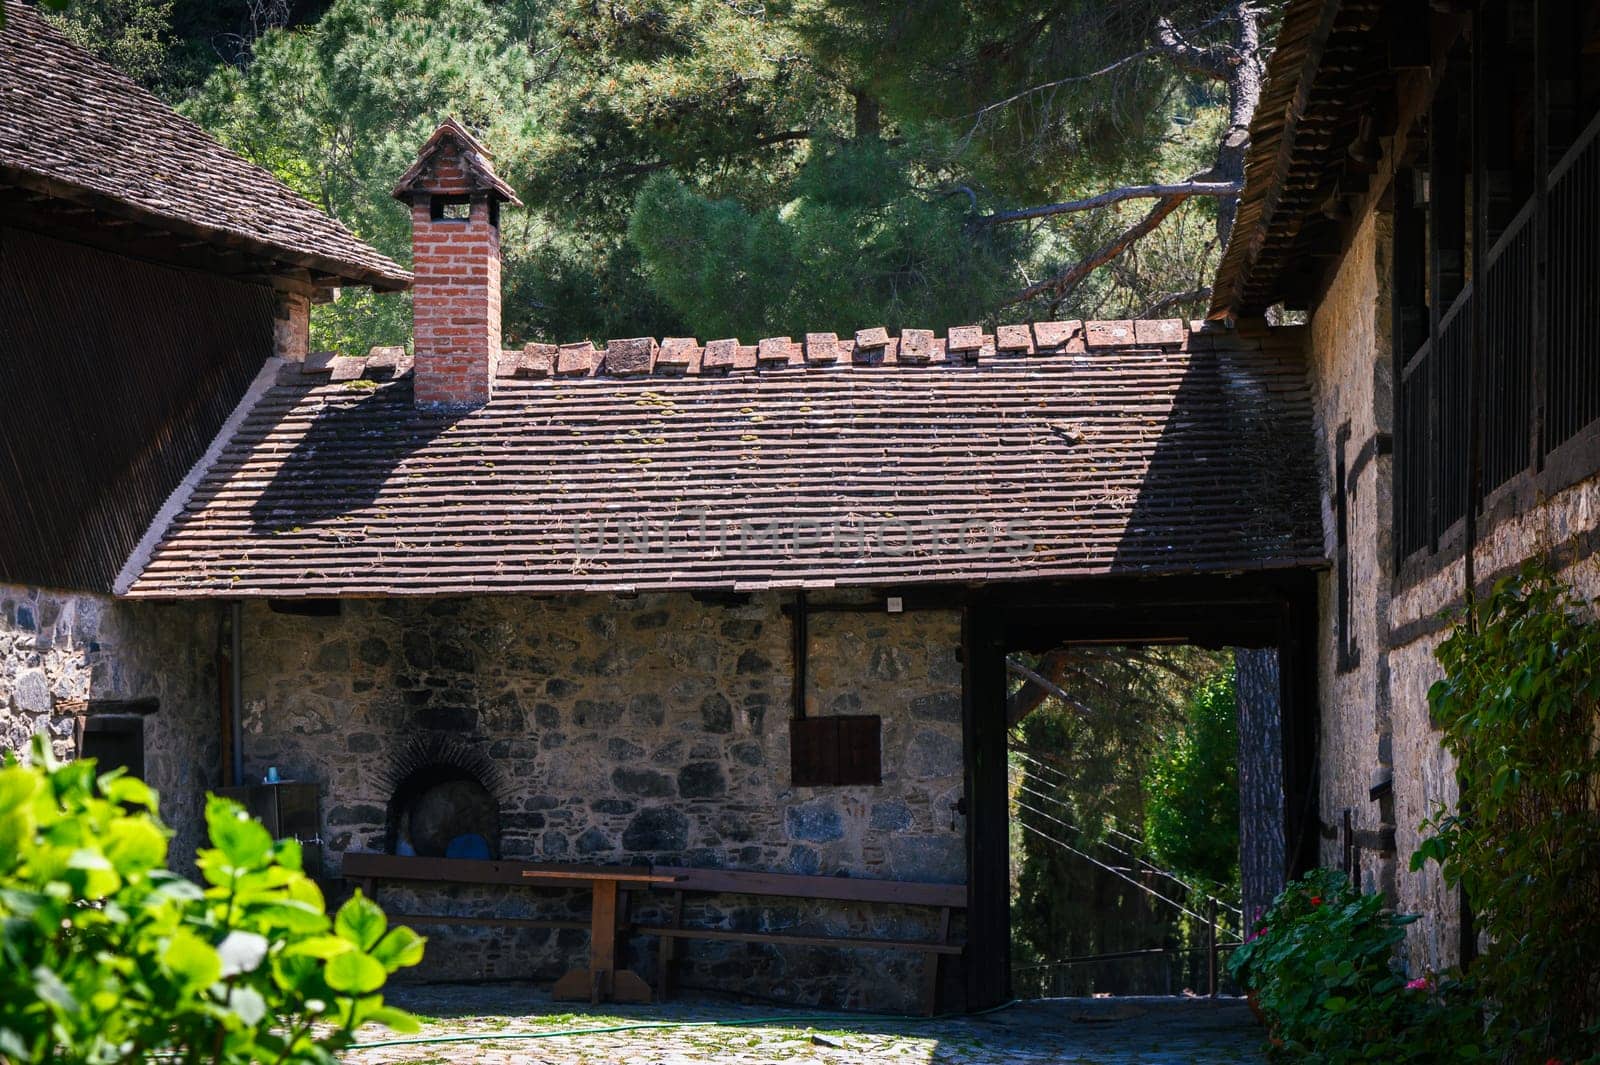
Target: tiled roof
point(1038, 452)
point(473, 157)
point(75, 127)
point(1314, 118)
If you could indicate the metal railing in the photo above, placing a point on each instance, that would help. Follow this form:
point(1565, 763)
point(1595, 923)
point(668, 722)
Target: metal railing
point(1539, 369)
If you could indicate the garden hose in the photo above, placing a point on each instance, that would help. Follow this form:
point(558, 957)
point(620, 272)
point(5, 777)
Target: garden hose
point(783, 1021)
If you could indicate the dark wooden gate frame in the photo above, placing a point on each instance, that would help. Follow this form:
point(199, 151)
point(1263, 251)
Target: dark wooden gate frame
point(1264, 609)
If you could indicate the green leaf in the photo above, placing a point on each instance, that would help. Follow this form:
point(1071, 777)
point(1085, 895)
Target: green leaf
point(400, 948)
point(49, 987)
point(191, 960)
point(97, 877)
point(118, 787)
point(298, 918)
point(394, 1019)
point(243, 840)
point(323, 947)
point(135, 844)
point(361, 921)
point(355, 973)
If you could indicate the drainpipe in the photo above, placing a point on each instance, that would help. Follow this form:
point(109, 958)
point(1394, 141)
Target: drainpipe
point(236, 687)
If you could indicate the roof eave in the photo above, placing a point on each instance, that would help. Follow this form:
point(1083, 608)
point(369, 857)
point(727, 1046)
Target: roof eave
point(396, 280)
point(1272, 139)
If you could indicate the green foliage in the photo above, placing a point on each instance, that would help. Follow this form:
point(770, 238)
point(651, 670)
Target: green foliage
point(134, 35)
point(1518, 706)
point(715, 168)
point(1322, 971)
point(108, 957)
point(1191, 812)
point(1085, 763)
point(855, 246)
point(946, 63)
point(339, 109)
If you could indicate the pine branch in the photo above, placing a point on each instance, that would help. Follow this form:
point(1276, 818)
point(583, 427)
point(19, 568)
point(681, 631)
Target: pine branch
point(636, 169)
point(1062, 284)
point(1174, 299)
point(1111, 196)
point(1160, 48)
point(1212, 61)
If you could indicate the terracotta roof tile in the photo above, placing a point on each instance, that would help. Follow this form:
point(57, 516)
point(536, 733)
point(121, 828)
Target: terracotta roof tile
point(537, 360)
point(1013, 338)
point(720, 356)
point(1160, 333)
point(75, 127)
point(916, 346)
point(577, 359)
point(776, 351)
point(1130, 459)
point(1058, 336)
point(822, 349)
point(631, 358)
point(678, 355)
point(965, 337)
point(1108, 334)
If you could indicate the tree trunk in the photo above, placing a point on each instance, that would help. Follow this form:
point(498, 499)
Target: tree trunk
point(1261, 802)
point(869, 116)
point(1245, 75)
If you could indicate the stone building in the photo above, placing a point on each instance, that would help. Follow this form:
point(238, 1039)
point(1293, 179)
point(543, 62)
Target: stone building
point(145, 275)
point(1424, 182)
point(610, 598)
point(745, 605)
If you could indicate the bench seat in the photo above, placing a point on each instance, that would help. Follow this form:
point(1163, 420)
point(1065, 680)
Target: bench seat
point(945, 899)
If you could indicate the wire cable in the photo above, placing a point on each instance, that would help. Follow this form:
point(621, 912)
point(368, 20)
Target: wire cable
point(1194, 888)
point(1113, 870)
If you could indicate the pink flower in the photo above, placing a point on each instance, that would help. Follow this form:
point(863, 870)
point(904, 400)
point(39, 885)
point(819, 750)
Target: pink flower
point(1316, 900)
point(1421, 983)
point(1257, 934)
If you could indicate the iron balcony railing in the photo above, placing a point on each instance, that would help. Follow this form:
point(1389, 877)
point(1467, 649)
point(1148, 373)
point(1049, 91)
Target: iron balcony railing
point(1538, 384)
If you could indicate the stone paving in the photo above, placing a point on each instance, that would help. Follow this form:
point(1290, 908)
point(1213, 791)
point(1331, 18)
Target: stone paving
point(1148, 1031)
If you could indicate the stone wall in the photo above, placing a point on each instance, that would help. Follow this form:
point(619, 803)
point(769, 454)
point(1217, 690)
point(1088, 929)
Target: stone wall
point(59, 647)
point(1352, 373)
point(628, 730)
point(1373, 685)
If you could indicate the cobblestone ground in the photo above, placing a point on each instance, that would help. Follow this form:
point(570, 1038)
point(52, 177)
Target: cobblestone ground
point(1065, 1031)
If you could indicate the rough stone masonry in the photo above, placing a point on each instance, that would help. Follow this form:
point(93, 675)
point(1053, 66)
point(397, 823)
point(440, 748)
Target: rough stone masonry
point(620, 730)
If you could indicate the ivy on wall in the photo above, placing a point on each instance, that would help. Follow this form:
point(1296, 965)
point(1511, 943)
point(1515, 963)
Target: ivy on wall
point(1519, 707)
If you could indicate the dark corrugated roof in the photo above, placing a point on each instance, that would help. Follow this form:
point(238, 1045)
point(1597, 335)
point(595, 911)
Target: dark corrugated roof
point(1044, 457)
point(75, 127)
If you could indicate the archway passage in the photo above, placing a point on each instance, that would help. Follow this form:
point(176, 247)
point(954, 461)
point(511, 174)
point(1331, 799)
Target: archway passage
point(1123, 768)
point(1269, 611)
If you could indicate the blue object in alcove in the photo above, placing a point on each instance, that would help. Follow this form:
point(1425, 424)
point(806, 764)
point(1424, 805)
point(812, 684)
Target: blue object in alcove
point(470, 845)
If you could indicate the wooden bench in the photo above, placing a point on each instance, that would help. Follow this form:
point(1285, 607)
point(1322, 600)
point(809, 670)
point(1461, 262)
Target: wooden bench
point(368, 870)
point(944, 898)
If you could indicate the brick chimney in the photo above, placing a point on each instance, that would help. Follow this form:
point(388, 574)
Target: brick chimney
point(455, 199)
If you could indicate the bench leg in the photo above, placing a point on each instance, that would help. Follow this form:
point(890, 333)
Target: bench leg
point(669, 949)
point(930, 983)
point(932, 965)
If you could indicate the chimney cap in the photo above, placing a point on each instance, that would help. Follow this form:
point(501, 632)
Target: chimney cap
point(475, 160)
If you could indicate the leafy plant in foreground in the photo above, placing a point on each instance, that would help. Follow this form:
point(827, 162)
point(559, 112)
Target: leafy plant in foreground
point(106, 957)
point(1321, 969)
